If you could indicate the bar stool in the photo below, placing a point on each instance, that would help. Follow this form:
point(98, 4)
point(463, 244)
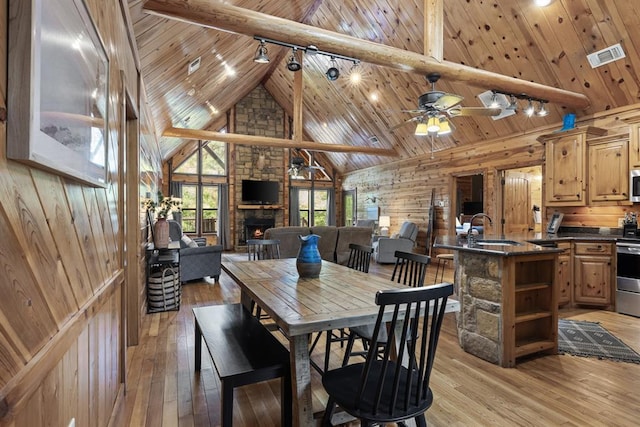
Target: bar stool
point(443, 260)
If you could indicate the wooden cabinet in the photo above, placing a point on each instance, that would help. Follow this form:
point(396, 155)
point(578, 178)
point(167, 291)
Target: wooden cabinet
point(634, 146)
point(565, 166)
point(608, 169)
point(564, 274)
point(593, 273)
point(530, 307)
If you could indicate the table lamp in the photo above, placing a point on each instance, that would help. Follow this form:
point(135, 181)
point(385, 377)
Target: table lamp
point(384, 222)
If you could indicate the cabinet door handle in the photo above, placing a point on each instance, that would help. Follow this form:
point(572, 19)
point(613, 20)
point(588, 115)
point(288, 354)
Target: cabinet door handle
point(598, 249)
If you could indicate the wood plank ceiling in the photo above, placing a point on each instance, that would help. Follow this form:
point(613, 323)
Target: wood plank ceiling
point(512, 37)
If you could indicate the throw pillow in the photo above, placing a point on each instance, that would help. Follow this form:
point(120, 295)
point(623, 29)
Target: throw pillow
point(188, 241)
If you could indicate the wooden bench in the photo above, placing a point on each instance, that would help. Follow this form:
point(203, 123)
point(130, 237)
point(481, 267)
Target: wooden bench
point(243, 352)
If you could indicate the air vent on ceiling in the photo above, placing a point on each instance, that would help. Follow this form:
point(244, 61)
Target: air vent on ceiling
point(194, 65)
point(373, 139)
point(503, 102)
point(604, 56)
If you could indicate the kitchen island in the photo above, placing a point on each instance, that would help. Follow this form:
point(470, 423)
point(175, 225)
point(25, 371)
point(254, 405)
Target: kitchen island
point(508, 302)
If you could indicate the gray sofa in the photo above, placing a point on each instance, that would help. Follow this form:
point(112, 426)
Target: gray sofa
point(333, 244)
point(196, 261)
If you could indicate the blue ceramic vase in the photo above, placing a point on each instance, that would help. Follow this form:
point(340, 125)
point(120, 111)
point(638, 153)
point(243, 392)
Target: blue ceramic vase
point(309, 261)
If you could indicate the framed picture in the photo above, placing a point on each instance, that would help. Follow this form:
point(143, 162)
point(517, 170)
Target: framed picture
point(58, 89)
point(554, 222)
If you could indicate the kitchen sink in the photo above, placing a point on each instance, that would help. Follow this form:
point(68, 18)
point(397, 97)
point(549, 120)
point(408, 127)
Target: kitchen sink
point(497, 242)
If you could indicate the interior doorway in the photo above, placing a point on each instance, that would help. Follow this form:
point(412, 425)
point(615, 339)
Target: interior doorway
point(521, 190)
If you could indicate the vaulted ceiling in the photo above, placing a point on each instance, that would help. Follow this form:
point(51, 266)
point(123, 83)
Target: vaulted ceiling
point(513, 38)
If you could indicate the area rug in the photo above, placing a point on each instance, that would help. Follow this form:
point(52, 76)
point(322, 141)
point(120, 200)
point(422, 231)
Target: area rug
point(589, 339)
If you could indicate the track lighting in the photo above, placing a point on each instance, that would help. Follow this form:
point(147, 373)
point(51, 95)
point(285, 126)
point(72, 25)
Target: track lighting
point(261, 54)
point(530, 110)
point(494, 101)
point(293, 64)
point(354, 75)
point(542, 111)
point(333, 73)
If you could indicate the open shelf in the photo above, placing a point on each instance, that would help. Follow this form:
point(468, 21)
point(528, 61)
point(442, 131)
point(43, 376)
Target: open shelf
point(532, 286)
point(532, 315)
point(526, 347)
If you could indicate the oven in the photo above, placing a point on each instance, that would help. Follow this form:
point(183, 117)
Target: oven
point(628, 280)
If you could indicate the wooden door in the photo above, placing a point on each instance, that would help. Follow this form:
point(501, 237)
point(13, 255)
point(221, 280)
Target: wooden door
point(592, 284)
point(564, 277)
point(565, 175)
point(516, 203)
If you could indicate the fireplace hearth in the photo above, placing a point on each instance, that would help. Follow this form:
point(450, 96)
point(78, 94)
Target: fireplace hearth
point(254, 228)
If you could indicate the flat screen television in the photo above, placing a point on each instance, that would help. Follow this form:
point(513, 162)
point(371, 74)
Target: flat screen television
point(260, 192)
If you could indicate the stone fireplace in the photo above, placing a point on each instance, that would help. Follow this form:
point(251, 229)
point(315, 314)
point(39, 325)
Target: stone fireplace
point(254, 228)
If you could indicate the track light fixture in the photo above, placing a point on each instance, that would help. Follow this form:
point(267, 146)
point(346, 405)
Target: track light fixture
point(494, 101)
point(261, 56)
point(530, 110)
point(293, 64)
point(333, 73)
point(542, 111)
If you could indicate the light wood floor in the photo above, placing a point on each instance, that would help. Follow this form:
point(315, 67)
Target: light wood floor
point(163, 390)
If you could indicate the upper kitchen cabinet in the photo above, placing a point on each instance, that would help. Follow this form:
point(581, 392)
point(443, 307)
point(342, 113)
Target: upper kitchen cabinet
point(566, 161)
point(609, 169)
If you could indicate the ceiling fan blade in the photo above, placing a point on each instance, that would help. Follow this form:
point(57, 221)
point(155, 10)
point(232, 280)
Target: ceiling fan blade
point(447, 101)
point(474, 111)
point(411, 120)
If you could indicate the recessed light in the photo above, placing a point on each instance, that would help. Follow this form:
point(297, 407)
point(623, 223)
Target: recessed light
point(542, 3)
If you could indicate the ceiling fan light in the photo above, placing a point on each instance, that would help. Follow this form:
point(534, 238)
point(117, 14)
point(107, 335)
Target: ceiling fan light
point(444, 127)
point(421, 129)
point(542, 3)
point(261, 56)
point(433, 124)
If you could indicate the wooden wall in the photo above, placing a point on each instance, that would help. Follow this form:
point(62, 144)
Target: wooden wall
point(61, 287)
point(404, 188)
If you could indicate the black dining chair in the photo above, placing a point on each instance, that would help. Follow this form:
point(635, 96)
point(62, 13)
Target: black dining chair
point(411, 270)
point(359, 259)
point(258, 249)
point(388, 389)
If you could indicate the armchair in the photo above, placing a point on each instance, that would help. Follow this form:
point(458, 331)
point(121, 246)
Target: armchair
point(385, 248)
point(196, 259)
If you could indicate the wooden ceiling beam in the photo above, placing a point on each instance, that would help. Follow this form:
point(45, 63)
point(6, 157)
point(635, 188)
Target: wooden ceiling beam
point(250, 23)
point(255, 140)
point(434, 29)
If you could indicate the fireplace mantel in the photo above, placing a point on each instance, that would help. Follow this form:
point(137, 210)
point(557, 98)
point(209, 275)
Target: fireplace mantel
point(259, 207)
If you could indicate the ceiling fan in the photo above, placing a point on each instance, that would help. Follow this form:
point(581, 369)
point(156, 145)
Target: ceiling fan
point(299, 165)
point(436, 107)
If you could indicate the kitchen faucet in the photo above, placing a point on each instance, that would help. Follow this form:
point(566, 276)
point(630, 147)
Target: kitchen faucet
point(471, 240)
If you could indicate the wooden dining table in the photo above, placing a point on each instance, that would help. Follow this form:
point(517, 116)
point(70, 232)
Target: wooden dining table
point(340, 298)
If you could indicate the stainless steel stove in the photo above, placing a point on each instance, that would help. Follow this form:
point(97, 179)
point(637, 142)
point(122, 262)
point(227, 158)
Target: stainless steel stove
point(628, 280)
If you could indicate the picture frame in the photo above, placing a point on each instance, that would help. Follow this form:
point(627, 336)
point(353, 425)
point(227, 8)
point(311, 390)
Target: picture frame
point(58, 87)
point(554, 222)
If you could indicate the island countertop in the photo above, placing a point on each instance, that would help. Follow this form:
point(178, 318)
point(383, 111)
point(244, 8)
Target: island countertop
point(510, 245)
